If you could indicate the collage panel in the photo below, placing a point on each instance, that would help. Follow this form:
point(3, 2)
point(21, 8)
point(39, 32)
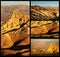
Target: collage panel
point(15, 28)
point(44, 47)
point(44, 19)
point(44, 10)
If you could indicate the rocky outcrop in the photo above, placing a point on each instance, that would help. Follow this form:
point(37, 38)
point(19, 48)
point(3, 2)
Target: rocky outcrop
point(15, 22)
point(15, 35)
point(45, 29)
point(53, 48)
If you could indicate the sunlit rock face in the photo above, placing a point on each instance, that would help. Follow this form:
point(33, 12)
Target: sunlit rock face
point(45, 29)
point(53, 48)
point(14, 31)
point(14, 22)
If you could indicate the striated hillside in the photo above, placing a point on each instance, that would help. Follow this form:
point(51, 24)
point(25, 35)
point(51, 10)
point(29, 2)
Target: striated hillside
point(15, 35)
point(44, 13)
point(45, 29)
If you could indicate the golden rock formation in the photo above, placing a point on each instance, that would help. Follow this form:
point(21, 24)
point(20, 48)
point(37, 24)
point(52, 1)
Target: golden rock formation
point(14, 30)
point(53, 48)
point(45, 28)
point(14, 23)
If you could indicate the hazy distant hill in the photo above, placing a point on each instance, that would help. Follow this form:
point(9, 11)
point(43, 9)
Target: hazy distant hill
point(39, 45)
point(6, 11)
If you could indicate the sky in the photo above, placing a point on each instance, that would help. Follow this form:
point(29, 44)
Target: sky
point(4, 3)
point(41, 3)
point(45, 3)
point(34, 40)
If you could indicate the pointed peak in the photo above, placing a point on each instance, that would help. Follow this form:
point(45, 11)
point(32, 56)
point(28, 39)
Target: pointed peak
point(16, 14)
